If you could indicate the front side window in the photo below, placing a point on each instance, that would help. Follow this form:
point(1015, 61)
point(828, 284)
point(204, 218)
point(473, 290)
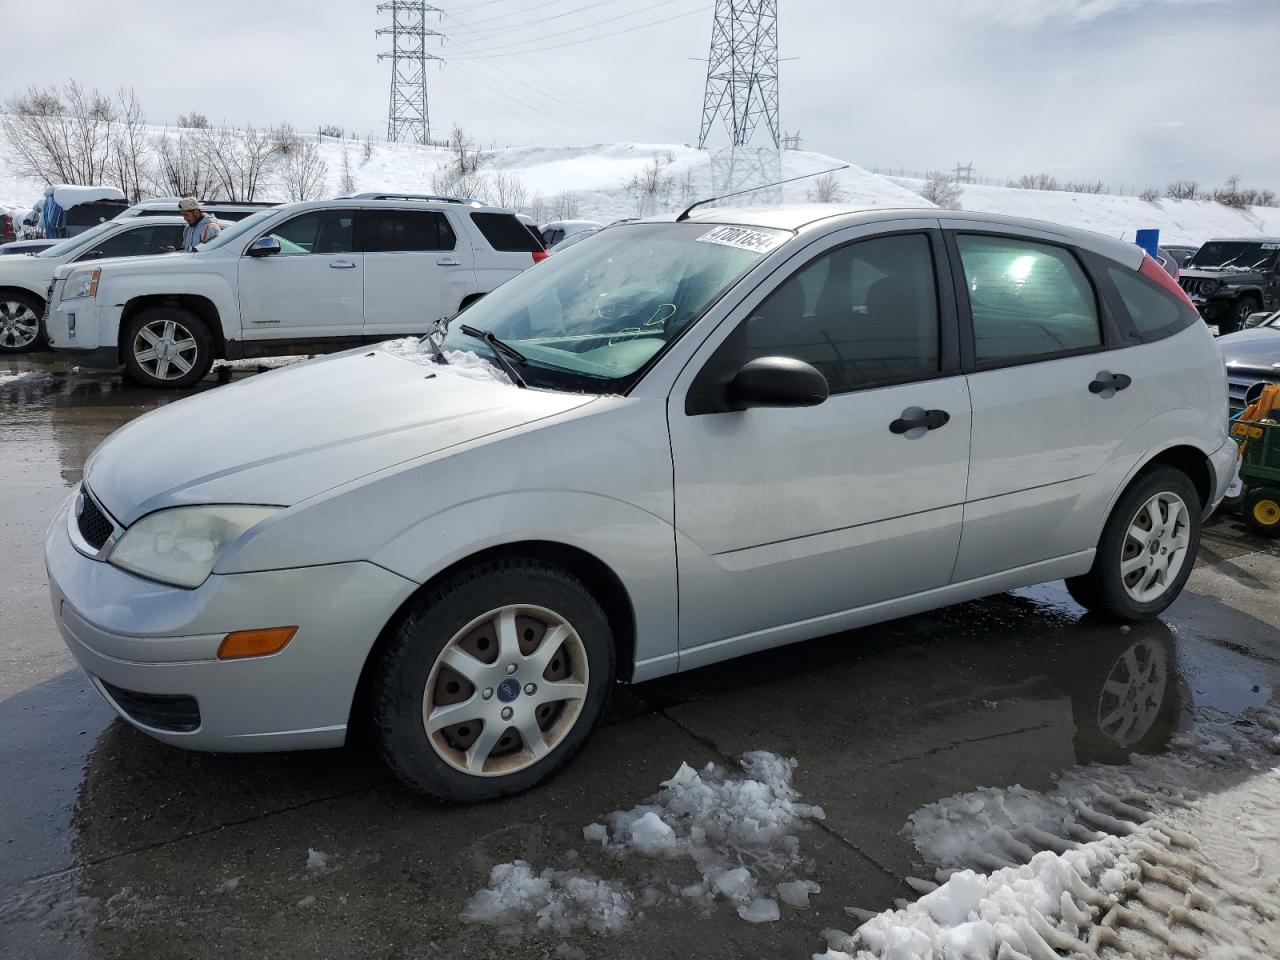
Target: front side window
point(1028, 299)
point(864, 314)
point(406, 231)
point(321, 231)
point(592, 317)
point(157, 238)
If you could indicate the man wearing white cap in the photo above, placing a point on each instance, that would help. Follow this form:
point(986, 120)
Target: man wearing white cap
point(201, 228)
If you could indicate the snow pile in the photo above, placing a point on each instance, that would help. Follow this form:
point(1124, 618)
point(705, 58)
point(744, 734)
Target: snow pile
point(735, 830)
point(1135, 860)
point(739, 831)
point(459, 363)
point(553, 901)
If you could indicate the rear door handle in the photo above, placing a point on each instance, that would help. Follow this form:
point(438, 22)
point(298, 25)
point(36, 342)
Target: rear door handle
point(1106, 384)
point(448, 262)
point(915, 422)
point(342, 265)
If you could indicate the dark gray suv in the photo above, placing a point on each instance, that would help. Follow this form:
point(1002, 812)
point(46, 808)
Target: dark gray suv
point(1228, 280)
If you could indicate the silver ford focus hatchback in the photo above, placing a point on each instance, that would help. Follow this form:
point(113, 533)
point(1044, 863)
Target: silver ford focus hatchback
point(676, 443)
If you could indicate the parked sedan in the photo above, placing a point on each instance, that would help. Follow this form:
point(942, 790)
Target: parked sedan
point(676, 443)
point(1252, 356)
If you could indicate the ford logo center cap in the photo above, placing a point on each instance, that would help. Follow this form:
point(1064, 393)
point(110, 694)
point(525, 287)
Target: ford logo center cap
point(508, 690)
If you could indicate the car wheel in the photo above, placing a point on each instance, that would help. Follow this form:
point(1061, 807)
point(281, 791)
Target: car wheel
point(167, 347)
point(1147, 549)
point(1261, 510)
point(21, 326)
point(1238, 313)
point(492, 681)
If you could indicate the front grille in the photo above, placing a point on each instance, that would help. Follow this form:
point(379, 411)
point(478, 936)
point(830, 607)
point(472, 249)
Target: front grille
point(178, 713)
point(93, 523)
point(1239, 384)
point(1198, 286)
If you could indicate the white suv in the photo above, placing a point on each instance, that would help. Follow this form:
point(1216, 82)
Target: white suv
point(301, 278)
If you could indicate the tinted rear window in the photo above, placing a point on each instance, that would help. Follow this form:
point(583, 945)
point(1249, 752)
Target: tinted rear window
point(91, 214)
point(407, 231)
point(1155, 313)
point(505, 233)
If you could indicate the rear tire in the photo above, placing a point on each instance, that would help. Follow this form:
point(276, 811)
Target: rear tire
point(1147, 550)
point(1261, 510)
point(21, 323)
point(492, 681)
point(167, 347)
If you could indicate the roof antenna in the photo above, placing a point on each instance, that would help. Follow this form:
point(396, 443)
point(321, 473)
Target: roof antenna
point(817, 173)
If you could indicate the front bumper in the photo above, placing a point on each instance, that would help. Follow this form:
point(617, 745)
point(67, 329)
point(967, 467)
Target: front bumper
point(85, 329)
point(149, 648)
point(1226, 468)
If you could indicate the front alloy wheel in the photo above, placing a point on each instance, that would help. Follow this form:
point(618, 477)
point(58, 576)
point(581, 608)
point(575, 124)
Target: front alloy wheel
point(505, 691)
point(19, 325)
point(492, 679)
point(165, 349)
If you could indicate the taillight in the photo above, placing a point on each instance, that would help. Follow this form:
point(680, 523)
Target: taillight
point(6, 222)
point(1158, 274)
point(540, 255)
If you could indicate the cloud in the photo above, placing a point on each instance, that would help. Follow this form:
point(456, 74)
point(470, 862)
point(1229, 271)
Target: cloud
point(1029, 13)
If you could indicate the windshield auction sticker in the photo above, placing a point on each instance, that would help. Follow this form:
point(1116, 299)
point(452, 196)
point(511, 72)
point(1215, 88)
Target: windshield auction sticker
point(743, 238)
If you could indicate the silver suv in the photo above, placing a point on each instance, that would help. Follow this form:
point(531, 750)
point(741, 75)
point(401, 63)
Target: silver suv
point(672, 444)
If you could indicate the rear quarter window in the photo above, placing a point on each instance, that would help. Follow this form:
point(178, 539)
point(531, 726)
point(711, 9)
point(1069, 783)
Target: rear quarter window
point(1155, 313)
point(505, 233)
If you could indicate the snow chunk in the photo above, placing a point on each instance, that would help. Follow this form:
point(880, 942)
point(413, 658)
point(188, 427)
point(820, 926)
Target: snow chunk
point(596, 833)
point(558, 901)
point(796, 893)
point(459, 363)
point(651, 837)
point(316, 859)
point(760, 911)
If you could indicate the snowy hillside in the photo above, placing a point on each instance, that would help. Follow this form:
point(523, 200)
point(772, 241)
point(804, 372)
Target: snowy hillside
point(601, 182)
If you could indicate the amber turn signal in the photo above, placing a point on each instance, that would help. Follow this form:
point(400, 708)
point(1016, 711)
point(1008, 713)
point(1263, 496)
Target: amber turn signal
point(255, 643)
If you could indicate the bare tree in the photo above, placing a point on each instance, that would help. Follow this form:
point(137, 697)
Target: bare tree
point(303, 171)
point(1150, 194)
point(1183, 190)
point(651, 184)
point(180, 167)
point(60, 136)
point(536, 207)
point(132, 151)
point(564, 206)
point(347, 183)
point(193, 121)
point(1085, 186)
point(686, 187)
point(239, 159)
point(939, 188)
point(332, 130)
point(367, 151)
point(826, 189)
point(507, 190)
point(466, 158)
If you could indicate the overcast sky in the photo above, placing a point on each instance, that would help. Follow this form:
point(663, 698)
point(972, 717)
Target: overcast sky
point(1127, 91)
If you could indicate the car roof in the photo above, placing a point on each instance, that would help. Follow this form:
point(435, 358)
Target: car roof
point(799, 217)
point(1244, 240)
point(406, 204)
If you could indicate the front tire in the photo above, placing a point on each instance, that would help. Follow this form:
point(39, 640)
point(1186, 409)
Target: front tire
point(1147, 550)
point(21, 323)
point(492, 681)
point(167, 347)
point(1240, 311)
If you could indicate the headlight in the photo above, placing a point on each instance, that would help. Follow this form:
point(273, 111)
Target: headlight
point(1210, 286)
point(181, 545)
point(81, 283)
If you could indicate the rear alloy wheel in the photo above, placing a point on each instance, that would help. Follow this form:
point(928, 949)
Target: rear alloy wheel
point(1261, 509)
point(493, 681)
point(167, 347)
point(1147, 549)
point(21, 329)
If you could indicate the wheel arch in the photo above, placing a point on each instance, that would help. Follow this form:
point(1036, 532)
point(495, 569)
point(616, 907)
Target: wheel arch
point(201, 306)
point(598, 577)
point(11, 289)
point(1192, 461)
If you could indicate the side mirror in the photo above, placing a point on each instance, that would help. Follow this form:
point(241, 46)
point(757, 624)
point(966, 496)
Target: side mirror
point(777, 382)
point(264, 247)
point(92, 255)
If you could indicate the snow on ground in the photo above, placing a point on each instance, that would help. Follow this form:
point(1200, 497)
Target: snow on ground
point(741, 833)
point(1170, 855)
point(1179, 221)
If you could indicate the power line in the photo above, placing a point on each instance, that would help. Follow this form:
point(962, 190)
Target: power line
point(584, 26)
point(549, 3)
point(602, 36)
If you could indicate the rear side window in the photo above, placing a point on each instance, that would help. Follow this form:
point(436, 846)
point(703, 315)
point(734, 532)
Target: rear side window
point(505, 233)
point(407, 231)
point(1155, 313)
point(1029, 300)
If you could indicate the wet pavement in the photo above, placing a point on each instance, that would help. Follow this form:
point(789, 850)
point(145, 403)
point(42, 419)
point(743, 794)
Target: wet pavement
point(113, 845)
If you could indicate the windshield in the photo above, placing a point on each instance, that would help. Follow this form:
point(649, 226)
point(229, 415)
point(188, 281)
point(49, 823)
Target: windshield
point(81, 241)
point(592, 317)
point(1240, 254)
point(236, 230)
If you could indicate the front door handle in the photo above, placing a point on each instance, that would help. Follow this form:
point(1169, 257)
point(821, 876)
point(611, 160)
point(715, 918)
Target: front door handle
point(448, 262)
point(915, 422)
point(1106, 384)
point(342, 265)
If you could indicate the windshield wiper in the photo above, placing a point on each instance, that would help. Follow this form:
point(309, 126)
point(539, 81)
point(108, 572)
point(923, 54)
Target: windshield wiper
point(501, 351)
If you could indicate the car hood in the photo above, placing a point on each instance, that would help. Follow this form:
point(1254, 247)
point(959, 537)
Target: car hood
point(1229, 275)
point(1258, 348)
point(280, 437)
